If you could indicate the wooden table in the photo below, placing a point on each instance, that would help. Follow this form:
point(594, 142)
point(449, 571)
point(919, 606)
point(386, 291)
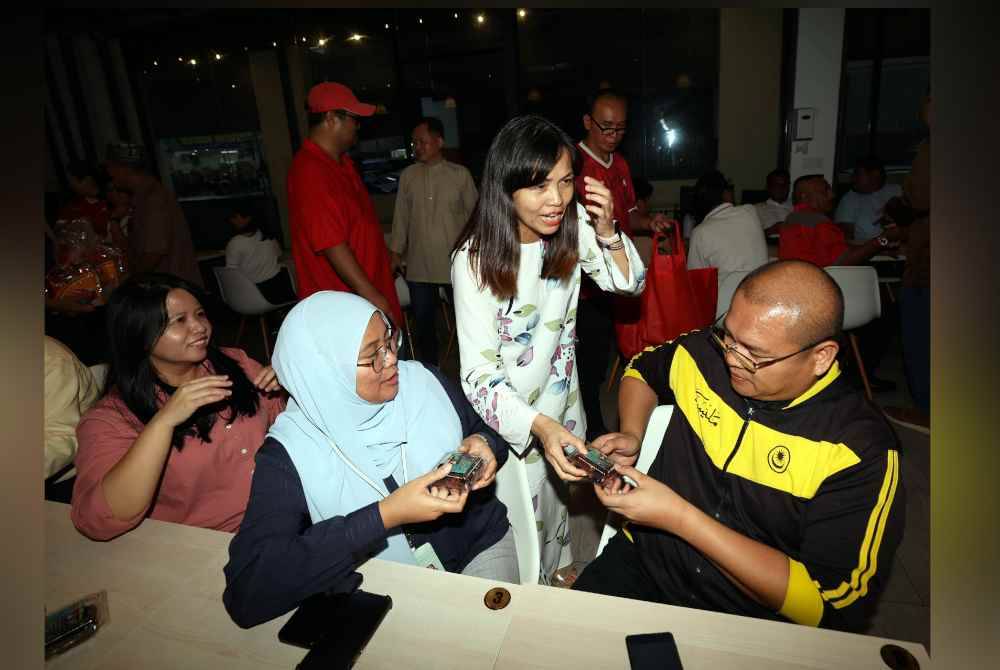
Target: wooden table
point(165, 582)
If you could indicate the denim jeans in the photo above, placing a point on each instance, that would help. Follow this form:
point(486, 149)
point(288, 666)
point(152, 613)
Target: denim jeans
point(915, 327)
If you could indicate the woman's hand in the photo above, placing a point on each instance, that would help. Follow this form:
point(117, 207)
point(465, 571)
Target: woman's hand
point(267, 380)
point(475, 445)
point(554, 437)
point(189, 396)
point(600, 206)
point(421, 500)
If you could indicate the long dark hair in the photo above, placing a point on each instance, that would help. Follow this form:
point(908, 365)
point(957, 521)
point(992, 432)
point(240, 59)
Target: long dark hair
point(136, 318)
point(521, 155)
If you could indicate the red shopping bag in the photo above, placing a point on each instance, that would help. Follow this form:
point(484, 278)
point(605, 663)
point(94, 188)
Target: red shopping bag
point(676, 300)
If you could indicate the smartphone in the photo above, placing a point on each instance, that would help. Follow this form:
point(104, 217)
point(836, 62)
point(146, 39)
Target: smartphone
point(335, 627)
point(653, 651)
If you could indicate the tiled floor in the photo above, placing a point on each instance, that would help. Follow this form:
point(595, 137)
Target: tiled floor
point(903, 612)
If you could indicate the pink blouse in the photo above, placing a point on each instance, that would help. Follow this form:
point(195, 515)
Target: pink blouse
point(203, 484)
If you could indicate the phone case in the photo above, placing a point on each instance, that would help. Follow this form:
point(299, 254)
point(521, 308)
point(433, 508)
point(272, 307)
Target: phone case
point(465, 471)
point(653, 651)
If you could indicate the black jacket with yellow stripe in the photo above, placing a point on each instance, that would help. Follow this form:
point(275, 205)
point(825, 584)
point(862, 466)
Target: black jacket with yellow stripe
point(816, 478)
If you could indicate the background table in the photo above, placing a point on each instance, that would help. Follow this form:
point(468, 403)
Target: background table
point(165, 583)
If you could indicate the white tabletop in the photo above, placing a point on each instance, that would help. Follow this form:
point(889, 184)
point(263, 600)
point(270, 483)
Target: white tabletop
point(165, 582)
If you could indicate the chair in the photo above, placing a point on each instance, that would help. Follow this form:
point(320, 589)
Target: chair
point(403, 293)
point(100, 374)
point(244, 298)
point(655, 430)
point(726, 290)
point(862, 305)
point(513, 491)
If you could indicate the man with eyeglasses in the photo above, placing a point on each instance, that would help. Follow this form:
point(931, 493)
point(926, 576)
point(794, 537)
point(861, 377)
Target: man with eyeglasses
point(776, 491)
point(605, 126)
point(337, 242)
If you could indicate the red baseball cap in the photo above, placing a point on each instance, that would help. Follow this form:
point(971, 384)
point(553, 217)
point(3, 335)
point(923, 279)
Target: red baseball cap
point(330, 95)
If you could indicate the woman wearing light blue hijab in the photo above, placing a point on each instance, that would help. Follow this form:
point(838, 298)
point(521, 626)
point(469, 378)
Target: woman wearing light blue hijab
point(347, 471)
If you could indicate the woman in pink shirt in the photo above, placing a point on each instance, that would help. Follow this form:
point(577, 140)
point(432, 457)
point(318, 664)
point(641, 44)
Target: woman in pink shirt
point(175, 435)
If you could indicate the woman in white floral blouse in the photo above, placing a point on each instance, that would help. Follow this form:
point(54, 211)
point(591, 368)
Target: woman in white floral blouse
point(516, 275)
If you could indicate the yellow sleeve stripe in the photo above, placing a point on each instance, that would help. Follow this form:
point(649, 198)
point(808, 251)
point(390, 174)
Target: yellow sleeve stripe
point(802, 604)
point(634, 374)
point(857, 587)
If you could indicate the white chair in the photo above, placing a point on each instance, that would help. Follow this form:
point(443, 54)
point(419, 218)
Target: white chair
point(100, 374)
point(726, 290)
point(862, 305)
point(514, 492)
point(403, 293)
point(244, 298)
point(655, 430)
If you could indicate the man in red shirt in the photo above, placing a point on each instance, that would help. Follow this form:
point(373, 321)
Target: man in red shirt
point(808, 234)
point(337, 243)
point(605, 126)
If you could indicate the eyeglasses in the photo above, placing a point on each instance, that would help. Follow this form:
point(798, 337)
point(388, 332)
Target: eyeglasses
point(719, 336)
point(393, 341)
point(343, 113)
point(608, 131)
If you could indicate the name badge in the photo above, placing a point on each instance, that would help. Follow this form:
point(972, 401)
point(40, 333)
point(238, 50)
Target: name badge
point(426, 557)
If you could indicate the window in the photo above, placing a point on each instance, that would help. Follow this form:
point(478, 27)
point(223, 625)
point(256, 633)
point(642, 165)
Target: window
point(886, 76)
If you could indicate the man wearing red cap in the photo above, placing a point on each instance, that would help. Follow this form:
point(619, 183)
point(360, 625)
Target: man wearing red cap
point(337, 243)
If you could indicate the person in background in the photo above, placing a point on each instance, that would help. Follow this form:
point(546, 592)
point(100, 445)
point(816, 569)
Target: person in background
point(861, 207)
point(120, 208)
point(605, 126)
point(350, 469)
point(159, 238)
point(915, 296)
point(175, 434)
point(70, 390)
point(337, 242)
point(643, 192)
point(516, 271)
point(778, 206)
point(776, 492)
point(808, 233)
point(258, 258)
point(434, 202)
point(87, 203)
point(727, 237)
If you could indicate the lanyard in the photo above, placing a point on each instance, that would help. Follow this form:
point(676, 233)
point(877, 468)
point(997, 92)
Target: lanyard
point(383, 491)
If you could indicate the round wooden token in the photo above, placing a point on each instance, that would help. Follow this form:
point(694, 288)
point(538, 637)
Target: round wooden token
point(497, 598)
point(898, 658)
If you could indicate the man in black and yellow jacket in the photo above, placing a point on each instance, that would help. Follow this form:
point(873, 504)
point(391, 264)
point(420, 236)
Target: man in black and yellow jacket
point(776, 491)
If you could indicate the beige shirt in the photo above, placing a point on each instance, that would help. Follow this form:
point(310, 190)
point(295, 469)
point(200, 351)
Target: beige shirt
point(70, 389)
point(731, 239)
point(433, 204)
point(158, 227)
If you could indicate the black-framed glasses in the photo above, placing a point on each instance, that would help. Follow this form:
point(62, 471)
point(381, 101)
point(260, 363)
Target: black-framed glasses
point(608, 130)
point(391, 344)
point(719, 336)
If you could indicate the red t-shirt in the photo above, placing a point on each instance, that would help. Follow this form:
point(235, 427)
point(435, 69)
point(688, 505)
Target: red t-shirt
point(618, 178)
point(329, 205)
point(809, 235)
point(96, 211)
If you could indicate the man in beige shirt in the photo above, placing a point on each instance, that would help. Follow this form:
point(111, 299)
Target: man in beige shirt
point(435, 199)
point(70, 389)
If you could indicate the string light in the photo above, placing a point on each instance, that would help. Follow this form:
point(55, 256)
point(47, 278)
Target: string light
point(234, 85)
point(387, 26)
point(355, 37)
point(480, 19)
point(322, 41)
point(156, 63)
point(274, 44)
point(218, 56)
point(420, 20)
point(303, 40)
point(180, 60)
point(456, 15)
point(521, 13)
point(193, 62)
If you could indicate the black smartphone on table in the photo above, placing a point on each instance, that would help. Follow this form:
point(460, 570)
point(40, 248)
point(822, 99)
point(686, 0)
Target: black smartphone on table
point(335, 628)
point(653, 651)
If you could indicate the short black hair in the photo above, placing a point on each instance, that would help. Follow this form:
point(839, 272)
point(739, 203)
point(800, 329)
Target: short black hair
point(872, 163)
point(434, 125)
point(780, 172)
point(643, 189)
point(83, 169)
point(613, 93)
point(708, 193)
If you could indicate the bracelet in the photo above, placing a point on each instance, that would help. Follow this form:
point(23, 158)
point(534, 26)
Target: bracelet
point(614, 242)
point(483, 438)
